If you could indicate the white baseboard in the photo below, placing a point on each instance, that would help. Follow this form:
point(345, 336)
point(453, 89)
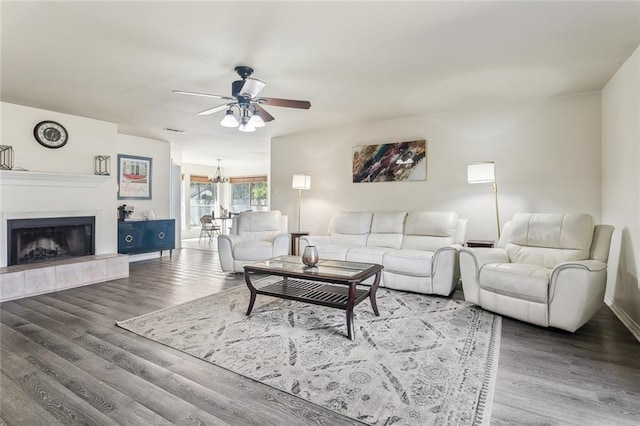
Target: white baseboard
point(628, 322)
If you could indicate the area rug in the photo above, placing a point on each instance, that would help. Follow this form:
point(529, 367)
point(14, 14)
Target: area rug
point(425, 360)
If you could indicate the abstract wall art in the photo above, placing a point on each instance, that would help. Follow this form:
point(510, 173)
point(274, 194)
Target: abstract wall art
point(390, 162)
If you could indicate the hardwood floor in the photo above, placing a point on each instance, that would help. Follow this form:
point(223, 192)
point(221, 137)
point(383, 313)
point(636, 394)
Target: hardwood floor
point(63, 361)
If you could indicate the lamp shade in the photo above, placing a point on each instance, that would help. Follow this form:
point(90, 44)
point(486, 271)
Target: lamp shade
point(256, 121)
point(229, 120)
point(301, 182)
point(481, 172)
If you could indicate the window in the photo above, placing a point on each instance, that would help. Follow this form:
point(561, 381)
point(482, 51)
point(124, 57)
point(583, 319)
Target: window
point(249, 193)
point(203, 197)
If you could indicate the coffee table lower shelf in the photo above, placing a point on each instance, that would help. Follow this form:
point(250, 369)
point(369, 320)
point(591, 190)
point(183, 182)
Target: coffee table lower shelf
point(316, 293)
point(331, 283)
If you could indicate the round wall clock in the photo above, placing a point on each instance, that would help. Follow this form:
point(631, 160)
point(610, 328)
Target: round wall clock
point(51, 134)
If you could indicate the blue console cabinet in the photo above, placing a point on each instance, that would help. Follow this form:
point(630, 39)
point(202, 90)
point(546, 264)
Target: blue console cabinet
point(146, 236)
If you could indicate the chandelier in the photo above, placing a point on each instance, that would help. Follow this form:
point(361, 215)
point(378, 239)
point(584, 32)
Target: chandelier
point(218, 178)
point(247, 120)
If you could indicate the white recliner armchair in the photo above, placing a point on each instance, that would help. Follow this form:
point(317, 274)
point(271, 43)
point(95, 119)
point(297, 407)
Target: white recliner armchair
point(255, 236)
point(548, 269)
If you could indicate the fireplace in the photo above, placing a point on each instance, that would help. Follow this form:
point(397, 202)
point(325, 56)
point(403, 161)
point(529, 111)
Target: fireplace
point(42, 239)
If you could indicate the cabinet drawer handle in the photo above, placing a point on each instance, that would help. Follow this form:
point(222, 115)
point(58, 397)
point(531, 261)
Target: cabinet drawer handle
point(161, 235)
point(128, 238)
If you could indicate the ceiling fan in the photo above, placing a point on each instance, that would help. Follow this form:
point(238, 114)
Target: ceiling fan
point(244, 98)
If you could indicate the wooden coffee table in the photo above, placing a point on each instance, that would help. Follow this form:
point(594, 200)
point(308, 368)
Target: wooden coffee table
point(330, 283)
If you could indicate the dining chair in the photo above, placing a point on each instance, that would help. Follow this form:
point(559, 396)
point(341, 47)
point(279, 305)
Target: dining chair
point(208, 227)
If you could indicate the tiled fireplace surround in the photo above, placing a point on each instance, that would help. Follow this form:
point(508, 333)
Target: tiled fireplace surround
point(20, 281)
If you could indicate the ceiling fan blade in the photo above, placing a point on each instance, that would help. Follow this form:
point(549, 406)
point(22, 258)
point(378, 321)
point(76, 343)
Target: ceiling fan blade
point(206, 95)
point(214, 109)
point(288, 103)
point(266, 117)
point(252, 87)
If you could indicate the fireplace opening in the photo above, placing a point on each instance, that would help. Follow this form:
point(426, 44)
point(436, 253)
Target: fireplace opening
point(42, 239)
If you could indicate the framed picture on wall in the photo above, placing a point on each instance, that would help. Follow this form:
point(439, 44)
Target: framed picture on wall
point(134, 177)
point(390, 162)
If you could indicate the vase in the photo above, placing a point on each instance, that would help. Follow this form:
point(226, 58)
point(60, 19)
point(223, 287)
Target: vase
point(310, 256)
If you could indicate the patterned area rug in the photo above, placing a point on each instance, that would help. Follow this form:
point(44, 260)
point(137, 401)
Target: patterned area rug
point(425, 360)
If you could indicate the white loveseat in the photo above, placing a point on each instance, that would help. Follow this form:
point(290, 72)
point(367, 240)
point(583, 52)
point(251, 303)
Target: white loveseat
point(548, 269)
point(254, 236)
point(419, 250)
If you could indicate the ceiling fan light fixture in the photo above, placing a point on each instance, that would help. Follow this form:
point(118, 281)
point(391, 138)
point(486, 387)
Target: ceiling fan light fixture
point(244, 97)
point(246, 128)
point(255, 120)
point(229, 120)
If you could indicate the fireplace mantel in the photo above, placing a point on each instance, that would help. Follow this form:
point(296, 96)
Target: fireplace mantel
point(48, 194)
point(29, 178)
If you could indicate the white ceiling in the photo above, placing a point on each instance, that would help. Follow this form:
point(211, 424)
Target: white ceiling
point(355, 61)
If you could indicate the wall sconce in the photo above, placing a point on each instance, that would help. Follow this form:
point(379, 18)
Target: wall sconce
point(102, 165)
point(6, 157)
point(300, 182)
point(484, 172)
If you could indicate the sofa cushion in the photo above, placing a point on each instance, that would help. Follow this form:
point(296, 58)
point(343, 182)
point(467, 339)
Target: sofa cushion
point(408, 262)
point(387, 229)
point(429, 230)
point(252, 250)
point(351, 223)
point(549, 239)
point(366, 254)
point(517, 280)
point(332, 252)
point(259, 225)
point(350, 228)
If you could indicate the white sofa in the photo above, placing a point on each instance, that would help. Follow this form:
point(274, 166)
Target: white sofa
point(419, 250)
point(548, 269)
point(254, 236)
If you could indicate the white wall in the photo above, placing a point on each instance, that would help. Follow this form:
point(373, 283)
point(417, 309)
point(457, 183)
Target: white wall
point(621, 188)
point(547, 156)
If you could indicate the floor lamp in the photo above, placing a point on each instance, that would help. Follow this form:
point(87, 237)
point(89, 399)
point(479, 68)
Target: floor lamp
point(300, 182)
point(484, 172)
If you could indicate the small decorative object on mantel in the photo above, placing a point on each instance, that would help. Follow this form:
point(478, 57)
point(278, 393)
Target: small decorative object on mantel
point(102, 165)
point(6, 157)
point(310, 256)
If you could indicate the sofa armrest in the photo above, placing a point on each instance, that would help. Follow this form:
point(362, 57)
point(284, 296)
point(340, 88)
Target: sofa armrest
point(281, 245)
point(471, 261)
point(226, 242)
point(461, 231)
point(576, 293)
point(313, 240)
point(445, 272)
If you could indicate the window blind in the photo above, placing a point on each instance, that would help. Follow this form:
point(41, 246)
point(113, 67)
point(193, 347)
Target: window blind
point(248, 179)
point(200, 179)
